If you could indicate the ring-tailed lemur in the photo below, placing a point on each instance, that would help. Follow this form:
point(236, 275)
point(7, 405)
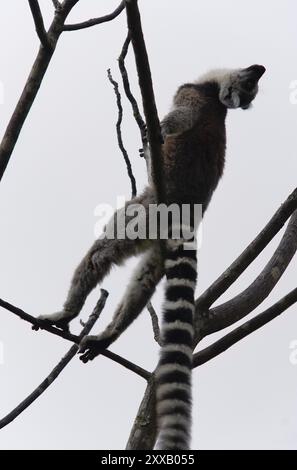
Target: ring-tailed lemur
point(194, 154)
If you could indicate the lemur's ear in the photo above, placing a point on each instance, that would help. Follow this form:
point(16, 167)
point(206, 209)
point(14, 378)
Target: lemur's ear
point(254, 71)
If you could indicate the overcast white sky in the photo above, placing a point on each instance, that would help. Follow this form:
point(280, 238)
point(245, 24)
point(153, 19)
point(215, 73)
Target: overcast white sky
point(67, 162)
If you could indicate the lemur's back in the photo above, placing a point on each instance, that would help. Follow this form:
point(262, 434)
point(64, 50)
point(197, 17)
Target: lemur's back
point(194, 158)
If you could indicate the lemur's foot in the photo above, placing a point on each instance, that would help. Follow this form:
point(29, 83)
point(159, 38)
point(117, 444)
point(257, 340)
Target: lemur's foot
point(92, 346)
point(59, 319)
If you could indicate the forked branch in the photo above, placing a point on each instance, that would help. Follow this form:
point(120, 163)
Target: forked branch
point(232, 273)
point(59, 367)
point(244, 330)
point(32, 85)
point(234, 309)
point(49, 41)
point(73, 338)
point(39, 24)
point(95, 21)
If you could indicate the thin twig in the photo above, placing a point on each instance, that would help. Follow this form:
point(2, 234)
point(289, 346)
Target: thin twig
point(148, 97)
point(136, 113)
point(96, 21)
point(127, 364)
point(119, 133)
point(38, 323)
point(39, 24)
point(142, 127)
point(244, 330)
point(73, 338)
point(59, 367)
point(155, 323)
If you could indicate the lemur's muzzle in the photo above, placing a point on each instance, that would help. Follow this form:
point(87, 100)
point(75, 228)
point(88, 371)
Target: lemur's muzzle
point(255, 71)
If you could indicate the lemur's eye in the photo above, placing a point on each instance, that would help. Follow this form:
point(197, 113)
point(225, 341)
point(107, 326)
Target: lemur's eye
point(249, 84)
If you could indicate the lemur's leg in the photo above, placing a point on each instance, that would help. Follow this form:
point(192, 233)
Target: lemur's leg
point(90, 272)
point(97, 263)
point(147, 275)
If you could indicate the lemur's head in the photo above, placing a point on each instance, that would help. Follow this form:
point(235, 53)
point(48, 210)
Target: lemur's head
point(237, 87)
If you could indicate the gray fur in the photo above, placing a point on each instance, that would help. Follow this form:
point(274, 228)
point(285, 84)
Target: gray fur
point(194, 155)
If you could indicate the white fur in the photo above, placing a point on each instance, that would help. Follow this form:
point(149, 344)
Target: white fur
point(169, 263)
point(165, 368)
point(225, 78)
point(168, 404)
point(162, 389)
point(181, 282)
point(176, 433)
point(178, 325)
point(176, 304)
point(218, 76)
point(178, 347)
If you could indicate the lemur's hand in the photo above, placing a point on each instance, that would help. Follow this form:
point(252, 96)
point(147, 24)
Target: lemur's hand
point(59, 319)
point(92, 346)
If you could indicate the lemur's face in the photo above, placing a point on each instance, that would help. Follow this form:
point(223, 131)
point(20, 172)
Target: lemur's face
point(238, 88)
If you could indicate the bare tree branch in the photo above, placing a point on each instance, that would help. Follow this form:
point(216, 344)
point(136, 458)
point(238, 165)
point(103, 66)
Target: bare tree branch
point(38, 323)
point(67, 5)
point(244, 330)
point(127, 364)
point(155, 323)
point(119, 133)
point(148, 98)
point(96, 21)
point(249, 254)
point(144, 430)
point(39, 24)
point(136, 113)
point(59, 367)
point(56, 4)
point(233, 310)
point(74, 338)
point(32, 85)
point(142, 127)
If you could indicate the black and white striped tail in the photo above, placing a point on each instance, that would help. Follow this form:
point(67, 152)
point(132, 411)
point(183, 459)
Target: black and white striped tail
point(173, 374)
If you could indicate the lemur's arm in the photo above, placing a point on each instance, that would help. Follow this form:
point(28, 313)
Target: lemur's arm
point(147, 275)
point(180, 119)
point(184, 113)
